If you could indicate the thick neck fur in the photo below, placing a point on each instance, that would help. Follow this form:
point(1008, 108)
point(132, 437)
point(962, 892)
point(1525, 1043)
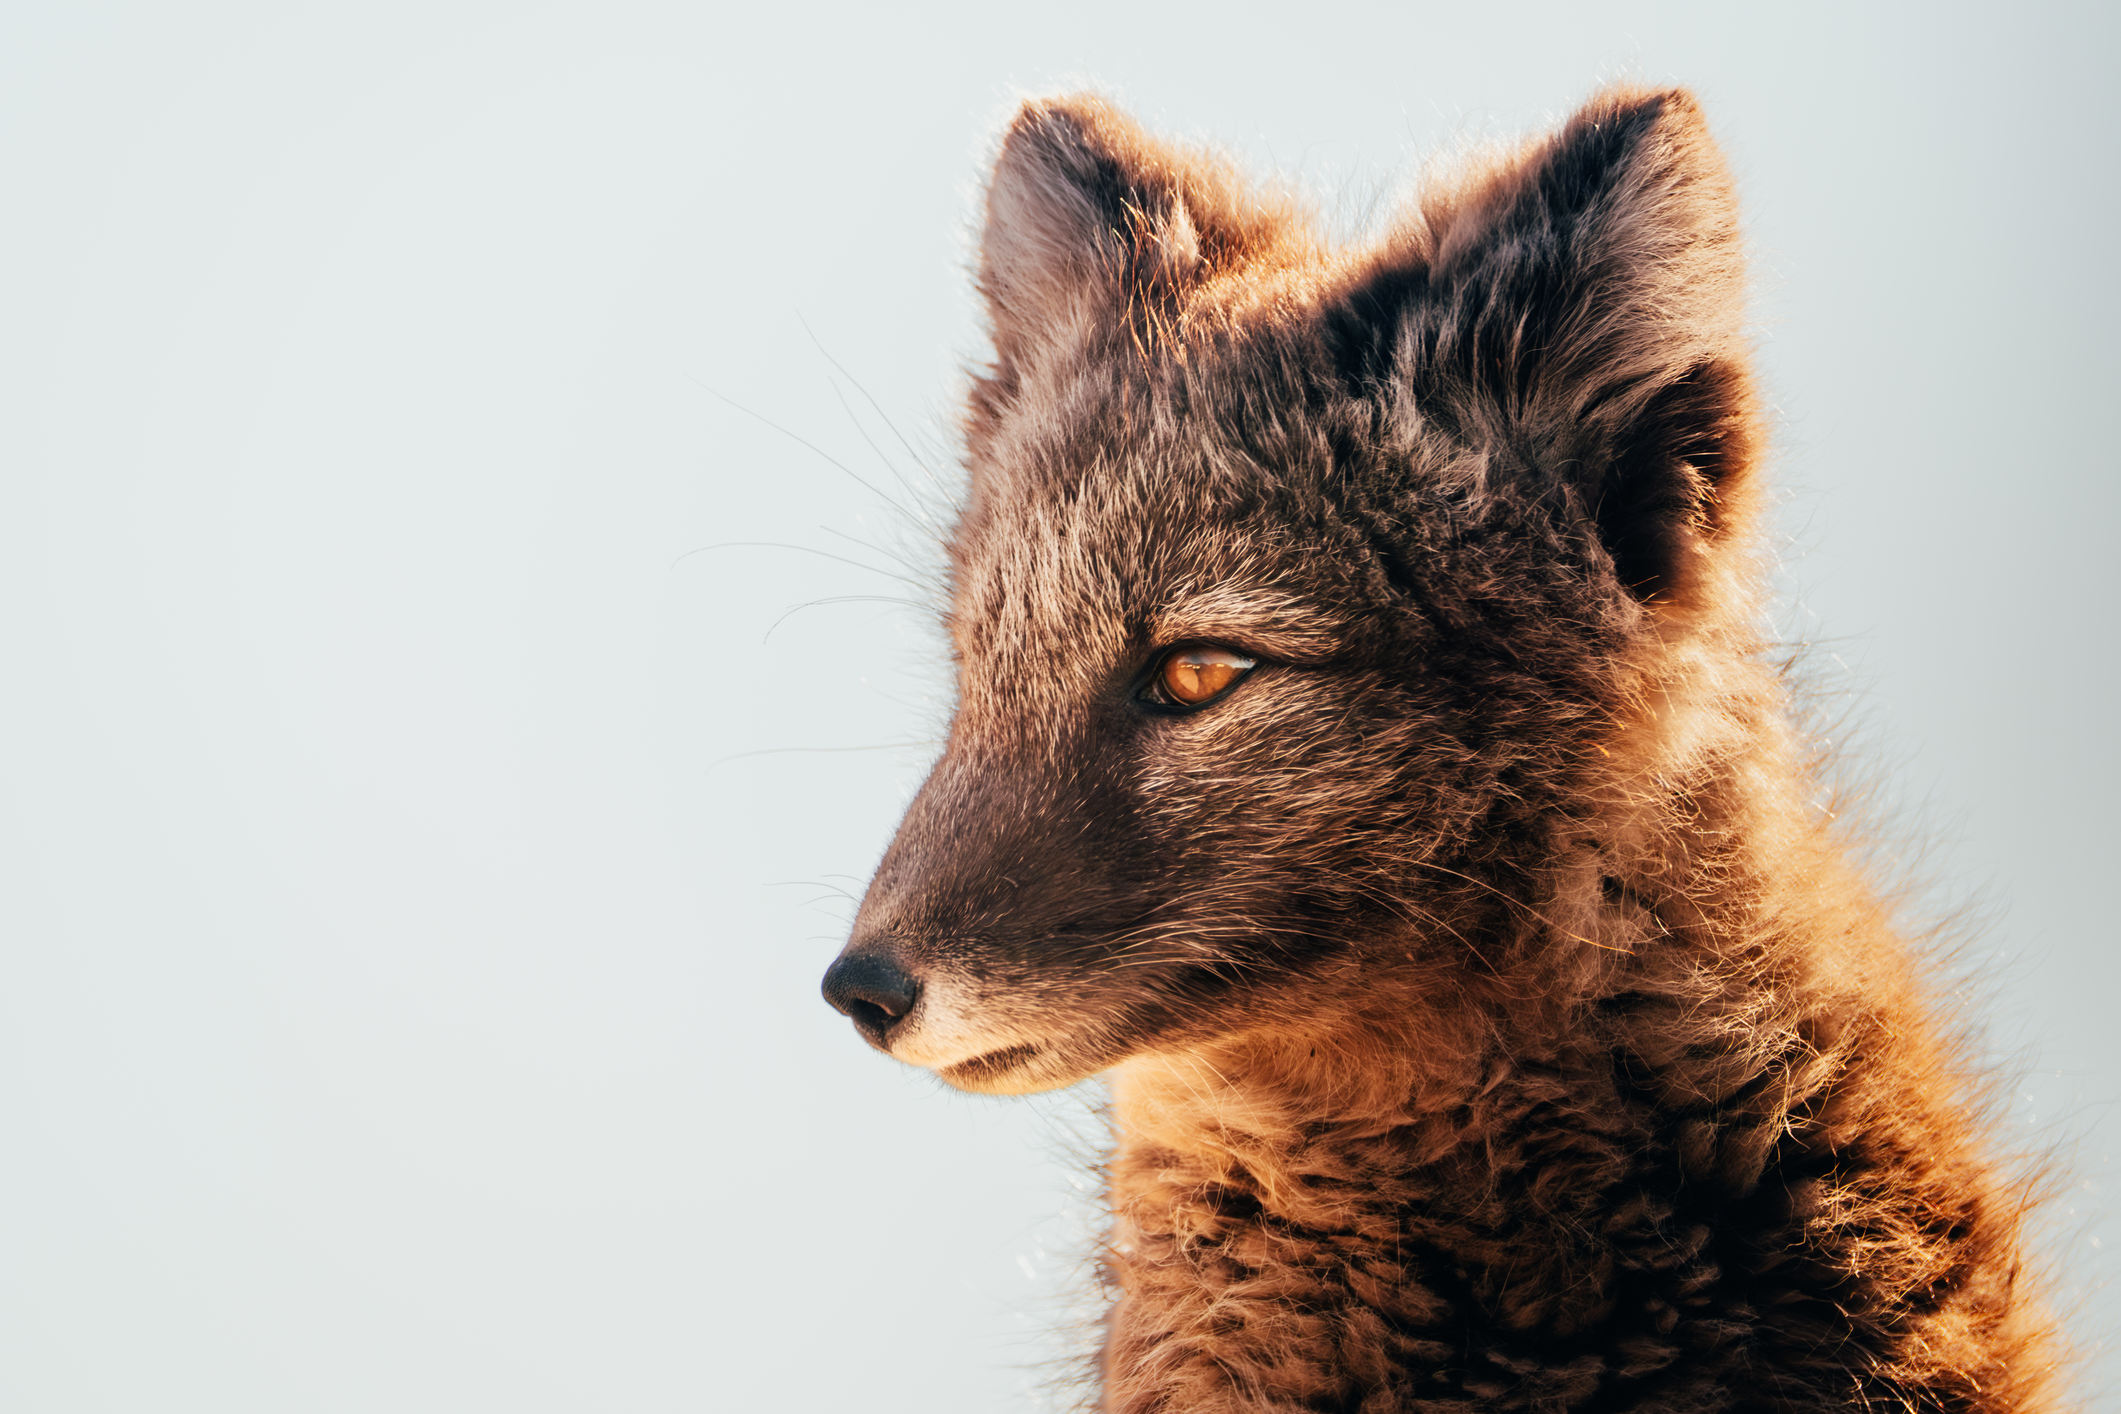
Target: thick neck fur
point(1691, 1144)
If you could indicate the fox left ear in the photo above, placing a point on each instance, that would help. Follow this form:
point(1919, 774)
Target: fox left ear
point(1091, 223)
point(1578, 309)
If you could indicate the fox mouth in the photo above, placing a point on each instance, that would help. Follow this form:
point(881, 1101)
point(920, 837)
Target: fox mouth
point(989, 1065)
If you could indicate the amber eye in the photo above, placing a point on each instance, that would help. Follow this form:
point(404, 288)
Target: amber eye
point(1194, 677)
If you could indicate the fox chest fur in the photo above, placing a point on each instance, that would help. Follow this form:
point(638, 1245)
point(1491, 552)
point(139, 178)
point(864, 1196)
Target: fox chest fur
point(1366, 753)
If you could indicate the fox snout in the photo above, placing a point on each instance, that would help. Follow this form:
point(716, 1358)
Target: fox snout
point(935, 1013)
point(967, 953)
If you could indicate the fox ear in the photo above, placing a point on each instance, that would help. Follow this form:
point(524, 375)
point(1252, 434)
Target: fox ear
point(1082, 205)
point(1090, 223)
point(1579, 310)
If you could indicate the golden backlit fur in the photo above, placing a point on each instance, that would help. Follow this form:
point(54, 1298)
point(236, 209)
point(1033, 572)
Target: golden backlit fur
point(1494, 1021)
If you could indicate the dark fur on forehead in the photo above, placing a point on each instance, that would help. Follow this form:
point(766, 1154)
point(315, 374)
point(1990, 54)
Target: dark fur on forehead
point(1570, 311)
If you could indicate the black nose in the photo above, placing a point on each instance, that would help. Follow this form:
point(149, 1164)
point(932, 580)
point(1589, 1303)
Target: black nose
point(872, 991)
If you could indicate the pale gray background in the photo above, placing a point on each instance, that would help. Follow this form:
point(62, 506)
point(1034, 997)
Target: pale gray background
point(399, 1009)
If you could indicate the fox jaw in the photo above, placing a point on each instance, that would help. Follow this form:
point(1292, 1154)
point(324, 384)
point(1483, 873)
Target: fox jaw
point(1303, 595)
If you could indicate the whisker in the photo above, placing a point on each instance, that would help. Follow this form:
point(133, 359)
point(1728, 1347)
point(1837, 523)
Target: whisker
point(804, 549)
point(811, 884)
point(914, 565)
point(838, 599)
point(870, 398)
point(871, 487)
point(814, 750)
point(920, 512)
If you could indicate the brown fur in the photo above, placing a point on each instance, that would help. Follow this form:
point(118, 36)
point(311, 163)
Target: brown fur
point(1494, 1022)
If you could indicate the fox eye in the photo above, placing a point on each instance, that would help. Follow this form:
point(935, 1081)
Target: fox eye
point(1193, 677)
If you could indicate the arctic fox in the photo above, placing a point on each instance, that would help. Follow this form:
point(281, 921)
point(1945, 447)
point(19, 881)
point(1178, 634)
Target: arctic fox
point(1367, 753)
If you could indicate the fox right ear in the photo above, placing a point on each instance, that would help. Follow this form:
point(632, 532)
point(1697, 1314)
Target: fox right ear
point(1091, 223)
point(1578, 306)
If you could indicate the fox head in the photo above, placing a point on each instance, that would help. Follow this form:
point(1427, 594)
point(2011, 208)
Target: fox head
point(1299, 590)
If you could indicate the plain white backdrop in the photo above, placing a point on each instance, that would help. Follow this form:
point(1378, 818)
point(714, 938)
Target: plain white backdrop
point(419, 823)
